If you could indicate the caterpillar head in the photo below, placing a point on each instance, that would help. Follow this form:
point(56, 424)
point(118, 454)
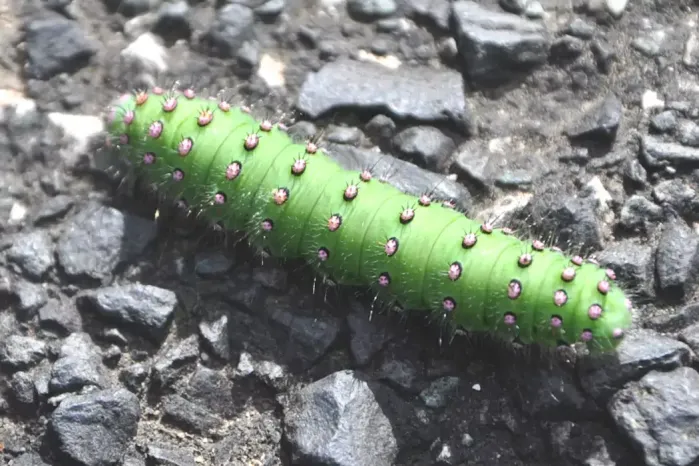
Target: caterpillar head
point(608, 316)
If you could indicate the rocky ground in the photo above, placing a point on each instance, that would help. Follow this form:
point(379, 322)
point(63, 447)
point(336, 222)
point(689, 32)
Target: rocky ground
point(129, 341)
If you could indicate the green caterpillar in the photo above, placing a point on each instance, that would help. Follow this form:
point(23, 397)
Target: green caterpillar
point(296, 202)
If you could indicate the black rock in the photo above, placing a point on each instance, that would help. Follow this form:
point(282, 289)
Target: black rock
point(94, 429)
point(494, 44)
point(145, 308)
point(659, 414)
point(79, 364)
point(56, 45)
point(233, 26)
point(337, 420)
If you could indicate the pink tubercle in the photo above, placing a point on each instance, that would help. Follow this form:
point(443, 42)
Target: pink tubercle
point(266, 126)
point(448, 304)
point(298, 167)
point(170, 104)
point(455, 270)
point(155, 129)
point(350, 193)
point(407, 215)
point(514, 289)
point(334, 222)
point(219, 198)
point(525, 260)
point(594, 312)
point(469, 240)
point(391, 247)
point(568, 274)
point(177, 175)
point(141, 98)
point(560, 297)
point(251, 141)
point(185, 147)
point(384, 280)
point(205, 117)
point(128, 117)
point(233, 170)
point(486, 228)
point(280, 195)
point(323, 254)
point(311, 147)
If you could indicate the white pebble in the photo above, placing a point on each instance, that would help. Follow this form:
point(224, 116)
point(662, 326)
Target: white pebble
point(148, 52)
point(80, 128)
point(650, 100)
point(616, 7)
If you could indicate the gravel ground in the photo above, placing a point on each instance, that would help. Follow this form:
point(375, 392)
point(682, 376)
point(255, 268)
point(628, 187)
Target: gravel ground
point(129, 341)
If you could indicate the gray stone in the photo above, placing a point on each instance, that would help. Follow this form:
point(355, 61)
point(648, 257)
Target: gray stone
point(54, 45)
point(60, 316)
point(602, 121)
point(371, 9)
point(79, 364)
point(677, 259)
point(173, 21)
point(633, 262)
point(493, 44)
point(426, 146)
point(147, 308)
point(660, 414)
point(33, 253)
point(337, 420)
point(23, 391)
point(641, 351)
point(417, 92)
point(29, 459)
point(100, 238)
point(656, 152)
point(94, 429)
point(20, 352)
point(172, 360)
point(234, 25)
point(688, 133)
point(31, 296)
point(190, 416)
point(439, 392)
point(678, 194)
point(167, 454)
point(639, 212)
point(216, 335)
point(664, 122)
